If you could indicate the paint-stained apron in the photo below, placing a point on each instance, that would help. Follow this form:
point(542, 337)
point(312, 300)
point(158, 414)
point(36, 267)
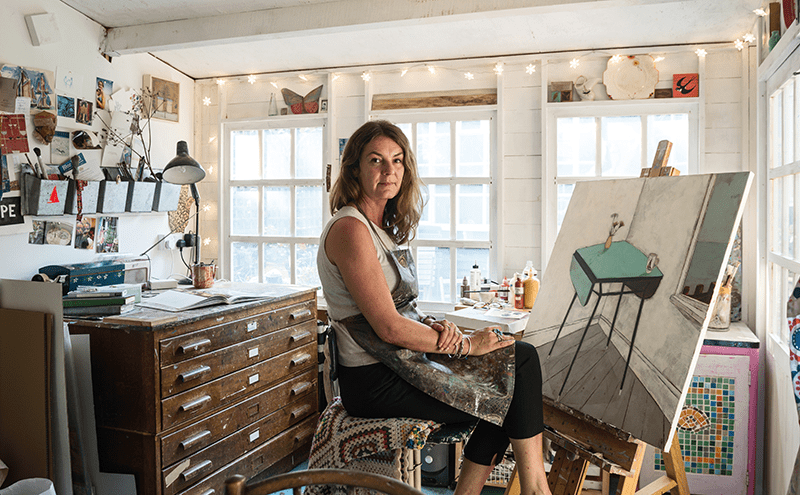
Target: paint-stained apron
point(479, 385)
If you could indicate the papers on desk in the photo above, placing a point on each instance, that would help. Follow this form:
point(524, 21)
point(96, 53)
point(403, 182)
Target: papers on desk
point(509, 321)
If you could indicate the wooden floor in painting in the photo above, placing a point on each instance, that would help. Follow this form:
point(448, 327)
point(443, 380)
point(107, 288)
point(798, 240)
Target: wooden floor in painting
point(593, 386)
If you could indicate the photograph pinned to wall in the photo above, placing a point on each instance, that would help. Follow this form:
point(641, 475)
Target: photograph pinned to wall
point(84, 233)
point(59, 147)
point(617, 333)
point(85, 140)
point(102, 91)
point(685, 85)
point(32, 83)
point(36, 235)
point(13, 134)
point(5, 177)
point(66, 106)
point(68, 81)
point(11, 167)
point(58, 233)
point(107, 240)
point(83, 113)
point(161, 98)
point(8, 94)
point(123, 100)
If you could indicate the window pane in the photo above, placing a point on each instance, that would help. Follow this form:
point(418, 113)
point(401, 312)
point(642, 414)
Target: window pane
point(576, 146)
point(788, 215)
point(309, 153)
point(433, 273)
point(277, 211)
point(306, 264)
point(244, 211)
point(244, 151)
point(788, 120)
point(433, 149)
point(621, 140)
point(277, 153)
point(563, 195)
point(472, 204)
point(473, 148)
point(435, 221)
point(776, 132)
point(777, 214)
point(244, 261)
point(277, 264)
point(308, 207)
point(466, 257)
point(407, 130)
point(675, 129)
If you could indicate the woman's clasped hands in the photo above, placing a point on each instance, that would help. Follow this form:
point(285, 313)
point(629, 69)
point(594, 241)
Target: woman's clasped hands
point(483, 341)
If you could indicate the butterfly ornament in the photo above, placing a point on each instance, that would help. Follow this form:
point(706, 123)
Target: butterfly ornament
point(302, 104)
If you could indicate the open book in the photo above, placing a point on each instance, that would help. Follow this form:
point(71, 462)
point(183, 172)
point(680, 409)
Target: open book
point(186, 299)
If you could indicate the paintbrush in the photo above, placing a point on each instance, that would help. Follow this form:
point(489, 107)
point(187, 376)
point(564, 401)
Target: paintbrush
point(42, 170)
point(33, 167)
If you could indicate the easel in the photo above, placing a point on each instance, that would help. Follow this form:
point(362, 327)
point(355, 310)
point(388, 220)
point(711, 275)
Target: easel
point(580, 440)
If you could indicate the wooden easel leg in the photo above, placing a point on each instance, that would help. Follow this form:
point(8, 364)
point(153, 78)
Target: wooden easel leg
point(512, 487)
point(673, 463)
point(567, 475)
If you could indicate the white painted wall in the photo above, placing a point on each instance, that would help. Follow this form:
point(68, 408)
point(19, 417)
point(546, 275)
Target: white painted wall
point(77, 51)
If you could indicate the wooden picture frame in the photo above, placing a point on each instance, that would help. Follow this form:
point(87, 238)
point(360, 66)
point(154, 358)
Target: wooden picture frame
point(161, 98)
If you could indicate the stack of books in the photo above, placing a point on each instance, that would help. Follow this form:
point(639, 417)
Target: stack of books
point(99, 301)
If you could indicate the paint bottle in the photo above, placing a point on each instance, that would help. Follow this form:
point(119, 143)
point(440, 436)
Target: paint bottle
point(505, 289)
point(519, 292)
point(531, 285)
point(474, 281)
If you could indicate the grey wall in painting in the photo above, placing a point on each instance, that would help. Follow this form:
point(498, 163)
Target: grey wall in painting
point(674, 218)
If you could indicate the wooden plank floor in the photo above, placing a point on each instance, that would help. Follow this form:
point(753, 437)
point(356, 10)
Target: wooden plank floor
point(593, 386)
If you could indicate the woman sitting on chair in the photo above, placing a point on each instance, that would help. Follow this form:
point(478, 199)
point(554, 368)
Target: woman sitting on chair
point(395, 361)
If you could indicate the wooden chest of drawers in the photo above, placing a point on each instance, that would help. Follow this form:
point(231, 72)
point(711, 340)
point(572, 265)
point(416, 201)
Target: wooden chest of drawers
point(185, 400)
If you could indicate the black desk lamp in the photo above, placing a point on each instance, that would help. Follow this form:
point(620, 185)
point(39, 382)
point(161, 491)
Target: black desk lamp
point(183, 169)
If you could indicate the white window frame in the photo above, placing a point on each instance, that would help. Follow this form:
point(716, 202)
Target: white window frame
point(643, 108)
point(780, 262)
point(452, 115)
point(227, 183)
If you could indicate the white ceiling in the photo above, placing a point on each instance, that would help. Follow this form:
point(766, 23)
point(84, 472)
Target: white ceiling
point(213, 38)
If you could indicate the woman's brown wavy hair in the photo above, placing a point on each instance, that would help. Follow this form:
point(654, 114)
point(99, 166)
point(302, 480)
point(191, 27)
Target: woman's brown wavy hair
point(402, 213)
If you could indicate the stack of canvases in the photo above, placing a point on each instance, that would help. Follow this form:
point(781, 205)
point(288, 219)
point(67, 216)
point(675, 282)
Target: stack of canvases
point(100, 300)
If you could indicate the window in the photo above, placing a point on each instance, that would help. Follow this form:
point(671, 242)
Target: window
point(455, 155)
point(589, 143)
point(783, 248)
point(276, 201)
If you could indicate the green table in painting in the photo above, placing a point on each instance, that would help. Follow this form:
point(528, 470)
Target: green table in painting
point(620, 263)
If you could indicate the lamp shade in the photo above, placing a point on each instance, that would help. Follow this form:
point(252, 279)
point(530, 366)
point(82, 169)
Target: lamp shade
point(183, 169)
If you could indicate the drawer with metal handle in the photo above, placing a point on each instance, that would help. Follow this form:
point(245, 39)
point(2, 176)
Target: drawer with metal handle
point(296, 441)
point(176, 349)
point(184, 375)
point(190, 439)
point(231, 388)
point(248, 438)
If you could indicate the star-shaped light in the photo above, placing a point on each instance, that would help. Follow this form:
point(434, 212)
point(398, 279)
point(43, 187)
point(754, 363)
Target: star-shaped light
point(658, 59)
point(303, 77)
point(431, 69)
point(469, 76)
point(749, 37)
point(206, 241)
point(211, 169)
point(206, 101)
point(251, 79)
point(274, 84)
point(365, 76)
point(760, 12)
point(739, 44)
point(700, 52)
point(574, 63)
point(206, 207)
point(530, 69)
point(335, 77)
point(220, 82)
point(498, 68)
point(614, 60)
point(403, 72)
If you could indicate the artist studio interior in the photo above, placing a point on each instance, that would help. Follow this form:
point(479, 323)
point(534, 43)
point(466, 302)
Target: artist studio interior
point(615, 183)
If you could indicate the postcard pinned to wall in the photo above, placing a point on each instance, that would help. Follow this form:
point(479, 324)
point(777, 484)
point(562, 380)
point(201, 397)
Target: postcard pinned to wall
point(162, 98)
point(620, 318)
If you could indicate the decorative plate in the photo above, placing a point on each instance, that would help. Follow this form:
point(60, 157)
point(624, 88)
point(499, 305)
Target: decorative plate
point(631, 78)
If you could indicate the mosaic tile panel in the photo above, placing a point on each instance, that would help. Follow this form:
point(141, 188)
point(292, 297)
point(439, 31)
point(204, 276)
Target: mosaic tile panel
point(705, 428)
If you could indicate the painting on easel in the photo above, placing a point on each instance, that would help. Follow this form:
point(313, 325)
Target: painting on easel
point(624, 302)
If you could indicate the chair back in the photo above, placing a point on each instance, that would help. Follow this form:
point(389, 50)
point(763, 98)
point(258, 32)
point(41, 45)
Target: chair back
point(295, 480)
